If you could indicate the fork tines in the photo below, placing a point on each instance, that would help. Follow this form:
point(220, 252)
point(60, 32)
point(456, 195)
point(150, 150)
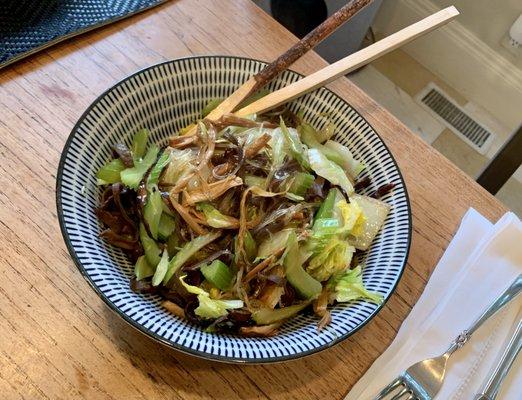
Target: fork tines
point(397, 389)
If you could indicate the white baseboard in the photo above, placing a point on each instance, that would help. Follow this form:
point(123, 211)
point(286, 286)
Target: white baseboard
point(462, 60)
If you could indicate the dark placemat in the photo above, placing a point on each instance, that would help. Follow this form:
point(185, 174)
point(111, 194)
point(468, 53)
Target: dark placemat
point(27, 26)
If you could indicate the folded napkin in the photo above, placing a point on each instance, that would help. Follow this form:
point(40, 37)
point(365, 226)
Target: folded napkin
point(480, 263)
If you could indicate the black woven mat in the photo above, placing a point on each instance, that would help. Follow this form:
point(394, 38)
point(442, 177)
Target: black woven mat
point(27, 26)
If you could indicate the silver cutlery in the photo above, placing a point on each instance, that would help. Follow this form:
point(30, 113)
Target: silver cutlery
point(423, 380)
point(493, 382)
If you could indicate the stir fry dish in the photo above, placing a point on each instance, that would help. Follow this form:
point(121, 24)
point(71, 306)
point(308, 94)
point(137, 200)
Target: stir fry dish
point(243, 224)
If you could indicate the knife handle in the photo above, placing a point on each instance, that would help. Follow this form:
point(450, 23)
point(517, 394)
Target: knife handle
point(509, 294)
point(492, 384)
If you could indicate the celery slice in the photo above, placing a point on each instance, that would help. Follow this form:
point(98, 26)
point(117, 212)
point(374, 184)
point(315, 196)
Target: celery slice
point(302, 282)
point(218, 274)
point(150, 247)
point(161, 269)
point(133, 176)
point(187, 251)
point(302, 182)
point(211, 105)
point(152, 212)
point(166, 227)
point(250, 246)
point(139, 143)
point(267, 316)
point(214, 218)
point(274, 242)
point(252, 180)
point(155, 172)
point(326, 208)
point(110, 172)
point(143, 269)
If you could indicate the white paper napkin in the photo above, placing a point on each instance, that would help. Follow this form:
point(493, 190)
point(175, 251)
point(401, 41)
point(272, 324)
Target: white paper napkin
point(481, 261)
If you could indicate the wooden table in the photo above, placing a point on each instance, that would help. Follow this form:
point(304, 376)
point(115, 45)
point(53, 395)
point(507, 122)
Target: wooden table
point(57, 338)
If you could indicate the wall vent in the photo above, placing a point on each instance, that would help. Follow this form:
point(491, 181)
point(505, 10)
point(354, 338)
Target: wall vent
point(454, 117)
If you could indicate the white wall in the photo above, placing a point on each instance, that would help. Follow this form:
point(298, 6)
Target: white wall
point(462, 59)
point(489, 20)
point(467, 55)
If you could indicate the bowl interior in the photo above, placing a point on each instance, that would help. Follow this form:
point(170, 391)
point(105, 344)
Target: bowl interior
point(164, 98)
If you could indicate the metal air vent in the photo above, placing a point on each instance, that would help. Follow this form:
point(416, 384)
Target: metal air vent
point(458, 120)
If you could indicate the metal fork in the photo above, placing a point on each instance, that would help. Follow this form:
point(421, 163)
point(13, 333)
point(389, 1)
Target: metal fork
point(423, 380)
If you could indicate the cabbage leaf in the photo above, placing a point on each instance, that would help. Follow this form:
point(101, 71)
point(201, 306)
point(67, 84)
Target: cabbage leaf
point(349, 286)
point(210, 308)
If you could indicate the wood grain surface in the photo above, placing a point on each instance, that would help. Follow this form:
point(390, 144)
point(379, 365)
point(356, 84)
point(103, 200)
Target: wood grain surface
point(57, 338)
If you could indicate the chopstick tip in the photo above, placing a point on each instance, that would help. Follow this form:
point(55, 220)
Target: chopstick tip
point(452, 10)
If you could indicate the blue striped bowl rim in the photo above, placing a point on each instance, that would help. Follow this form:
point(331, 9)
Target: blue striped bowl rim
point(108, 271)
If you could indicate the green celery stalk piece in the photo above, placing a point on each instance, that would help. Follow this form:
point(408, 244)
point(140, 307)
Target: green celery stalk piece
point(166, 227)
point(187, 251)
point(211, 105)
point(142, 269)
point(133, 176)
point(309, 137)
point(252, 180)
point(110, 172)
point(139, 143)
point(267, 316)
point(167, 210)
point(173, 243)
point(326, 133)
point(253, 97)
point(302, 182)
point(250, 246)
point(150, 247)
point(214, 218)
point(152, 212)
point(293, 197)
point(161, 269)
point(274, 242)
point(326, 226)
point(155, 172)
point(218, 274)
point(301, 281)
point(327, 207)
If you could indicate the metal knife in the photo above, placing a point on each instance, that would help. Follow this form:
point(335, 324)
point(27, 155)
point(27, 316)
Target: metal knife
point(492, 384)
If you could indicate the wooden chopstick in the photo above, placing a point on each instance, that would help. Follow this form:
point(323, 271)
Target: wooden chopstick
point(349, 63)
point(268, 73)
point(313, 38)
